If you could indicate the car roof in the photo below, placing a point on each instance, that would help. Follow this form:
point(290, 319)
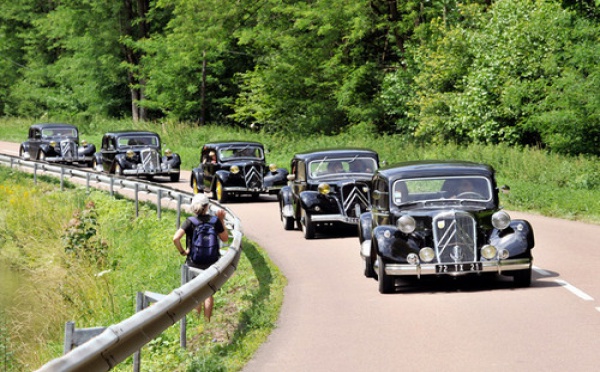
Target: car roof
point(52, 125)
point(217, 144)
point(319, 154)
point(432, 168)
point(120, 133)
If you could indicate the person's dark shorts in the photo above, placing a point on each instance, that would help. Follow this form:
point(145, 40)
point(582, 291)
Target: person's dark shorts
point(196, 266)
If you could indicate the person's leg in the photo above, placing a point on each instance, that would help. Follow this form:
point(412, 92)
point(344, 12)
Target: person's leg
point(208, 307)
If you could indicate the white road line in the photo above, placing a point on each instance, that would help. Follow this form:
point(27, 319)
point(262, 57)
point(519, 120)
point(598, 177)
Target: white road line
point(577, 292)
point(541, 271)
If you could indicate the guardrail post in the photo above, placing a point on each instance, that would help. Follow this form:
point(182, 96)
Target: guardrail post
point(139, 306)
point(35, 173)
point(87, 182)
point(183, 321)
point(11, 163)
point(112, 186)
point(62, 179)
point(136, 191)
point(178, 222)
point(158, 203)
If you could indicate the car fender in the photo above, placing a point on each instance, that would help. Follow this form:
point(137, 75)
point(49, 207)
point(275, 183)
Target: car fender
point(223, 176)
point(88, 150)
point(517, 238)
point(122, 161)
point(285, 196)
point(198, 175)
point(364, 227)
point(174, 161)
point(392, 244)
point(279, 177)
point(308, 199)
point(25, 149)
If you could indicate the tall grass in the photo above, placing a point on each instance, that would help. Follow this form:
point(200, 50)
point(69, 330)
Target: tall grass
point(83, 257)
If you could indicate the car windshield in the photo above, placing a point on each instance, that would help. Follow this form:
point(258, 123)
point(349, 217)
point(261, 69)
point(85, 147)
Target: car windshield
point(59, 132)
point(241, 151)
point(336, 166)
point(442, 189)
point(137, 140)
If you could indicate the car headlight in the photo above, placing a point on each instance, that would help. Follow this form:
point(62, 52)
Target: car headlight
point(234, 169)
point(168, 152)
point(489, 252)
point(406, 224)
point(84, 143)
point(500, 220)
point(130, 154)
point(273, 167)
point(412, 258)
point(53, 143)
point(324, 188)
point(427, 254)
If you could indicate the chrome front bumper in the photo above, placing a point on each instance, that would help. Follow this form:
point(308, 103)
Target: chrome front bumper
point(486, 267)
point(333, 218)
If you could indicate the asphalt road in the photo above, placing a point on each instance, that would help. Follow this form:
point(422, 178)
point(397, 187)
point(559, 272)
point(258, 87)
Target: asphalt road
point(334, 319)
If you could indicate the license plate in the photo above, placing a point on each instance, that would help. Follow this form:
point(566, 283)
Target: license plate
point(458, 268)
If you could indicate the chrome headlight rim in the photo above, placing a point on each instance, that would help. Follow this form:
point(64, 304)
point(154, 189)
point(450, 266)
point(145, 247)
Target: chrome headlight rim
point(273, 167)
point(324, 188)
point(489, 252)
point(130, 154)
point(234, 169)
point(168, 152)
point(426, 254)
point(406, 224)
point(500, 220)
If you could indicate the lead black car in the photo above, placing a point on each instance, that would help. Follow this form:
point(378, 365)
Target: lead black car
point(56, 143)
point(233, 168)
point(441, 218)
point(136, 153)
point(327, 187)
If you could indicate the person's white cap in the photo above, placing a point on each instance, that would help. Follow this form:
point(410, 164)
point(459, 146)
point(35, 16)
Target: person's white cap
point(200, 199)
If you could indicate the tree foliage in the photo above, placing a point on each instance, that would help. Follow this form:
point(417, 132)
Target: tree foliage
point(476, 71)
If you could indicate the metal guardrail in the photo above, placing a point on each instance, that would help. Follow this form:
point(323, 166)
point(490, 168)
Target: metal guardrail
point(119, 341)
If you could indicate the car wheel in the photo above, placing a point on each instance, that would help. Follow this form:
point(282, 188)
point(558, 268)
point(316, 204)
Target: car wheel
point(41, 156)
point(522, 278)
point(308, 227)
point(369, 269)
point(22, 154)
point(118, 169)
point(174, 177)
point(97, 167)
point(288, 222)
point(220, 193)
point(386, 282)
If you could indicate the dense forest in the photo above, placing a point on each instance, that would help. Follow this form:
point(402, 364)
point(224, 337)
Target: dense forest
point(520, 72)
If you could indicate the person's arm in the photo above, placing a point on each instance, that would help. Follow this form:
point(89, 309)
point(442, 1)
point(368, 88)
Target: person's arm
point(224, 235)
point(177, 241)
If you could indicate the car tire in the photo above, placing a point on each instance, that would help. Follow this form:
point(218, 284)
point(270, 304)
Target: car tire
point(522, 278)
point(308, 227)
point(220, 193)
point(96, 166)
point(174, 177)
point(118, 169)
point(41, 156)
point(22, 153)
point(195, 189)
point(288, 222)
point(369, 269)
point(386, 282)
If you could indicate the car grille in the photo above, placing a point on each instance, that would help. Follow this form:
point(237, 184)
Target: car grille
point(253, 176)
point(354, 199)
point(68, 150)
point(150, 160)
point(454, 234)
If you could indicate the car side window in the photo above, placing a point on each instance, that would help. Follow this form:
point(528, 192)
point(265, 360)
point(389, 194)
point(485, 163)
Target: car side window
point(301, 171)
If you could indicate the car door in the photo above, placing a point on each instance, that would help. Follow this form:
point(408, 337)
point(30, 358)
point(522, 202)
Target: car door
point(210, 165)
point(109, 152)
point(299, 182)
point(35, 140)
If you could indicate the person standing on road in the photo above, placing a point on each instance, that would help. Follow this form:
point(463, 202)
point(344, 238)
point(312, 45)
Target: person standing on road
point(199, 207)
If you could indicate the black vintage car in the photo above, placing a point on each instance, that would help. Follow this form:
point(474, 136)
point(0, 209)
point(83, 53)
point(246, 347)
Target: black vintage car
point(56, 143)
point(234, 168)
point(441, 218)
point(136, 153)
point(327, 187)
